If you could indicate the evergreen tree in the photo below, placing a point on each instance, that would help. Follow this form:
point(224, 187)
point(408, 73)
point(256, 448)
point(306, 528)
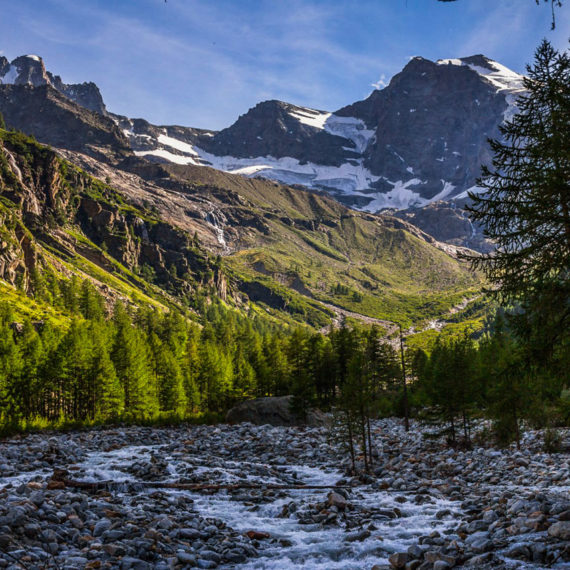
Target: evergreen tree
point(322, 365)
point(10, 368)
point(510, 394)
point(191, 369)
point(169, 379)
point(449, 379)
point(301, 384)
point(130, 358)
point(525, 208)
point(215, 376)
point(30, 355)
point(91, 303)
point(273, 378)
point(244, 378)
point(108, 398)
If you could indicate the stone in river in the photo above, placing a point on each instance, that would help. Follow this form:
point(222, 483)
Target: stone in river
point(398, 559)
point(275, 411)
point(336, 500)
point(560, 530)
point(257, 535)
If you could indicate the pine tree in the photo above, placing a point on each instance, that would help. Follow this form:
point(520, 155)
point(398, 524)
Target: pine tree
point(449, 379)
point(274, 376)
point(130, 358)
point(30, 353)
point(525, 208)
point(169, 379)
point(191, 369)
point(106, 394)
point(510, 392)
point(301, 385)
point(91, 303)
point(10, 368)
point(215, 376)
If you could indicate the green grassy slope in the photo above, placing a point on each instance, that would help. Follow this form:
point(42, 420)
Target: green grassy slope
point(310, 243)
point(293, 255)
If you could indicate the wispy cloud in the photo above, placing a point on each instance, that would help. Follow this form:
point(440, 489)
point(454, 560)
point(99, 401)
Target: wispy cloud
point(202, 63)
point(505, 30)
point(287, 51)
point(381, 83)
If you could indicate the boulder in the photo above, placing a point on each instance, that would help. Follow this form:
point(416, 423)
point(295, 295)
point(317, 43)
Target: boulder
point(560, 530)
point(275, 411)
point(398, 559)
point(336, 500)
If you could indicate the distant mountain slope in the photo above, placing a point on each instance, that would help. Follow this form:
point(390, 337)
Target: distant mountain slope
point(153, 233)
point(421, 139)
point(370, 155)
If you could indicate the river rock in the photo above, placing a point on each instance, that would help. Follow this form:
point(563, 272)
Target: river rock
point(275, 411)
point(337, 500)
point(560, 530)
point(398, 559)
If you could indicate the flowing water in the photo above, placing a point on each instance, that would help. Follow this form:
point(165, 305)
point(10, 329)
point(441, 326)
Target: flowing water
point(297, 543)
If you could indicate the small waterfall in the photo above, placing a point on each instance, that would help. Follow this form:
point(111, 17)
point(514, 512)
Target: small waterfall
point(217, 220)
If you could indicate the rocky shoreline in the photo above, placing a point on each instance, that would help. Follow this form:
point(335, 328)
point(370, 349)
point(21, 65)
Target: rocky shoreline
point(424, 506)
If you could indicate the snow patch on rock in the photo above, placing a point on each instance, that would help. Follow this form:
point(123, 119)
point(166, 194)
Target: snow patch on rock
point(11, 76)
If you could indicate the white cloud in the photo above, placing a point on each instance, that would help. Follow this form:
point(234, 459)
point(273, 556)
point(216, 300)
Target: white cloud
point(381, 83)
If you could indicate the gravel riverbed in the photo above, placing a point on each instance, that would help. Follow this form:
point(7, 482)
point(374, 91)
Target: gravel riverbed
point(423, 506)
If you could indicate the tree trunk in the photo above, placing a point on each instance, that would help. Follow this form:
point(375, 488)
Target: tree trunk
point(350, 441)
point(405, 386)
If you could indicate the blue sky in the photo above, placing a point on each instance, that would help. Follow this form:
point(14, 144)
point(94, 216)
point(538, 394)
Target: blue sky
point(202, 63)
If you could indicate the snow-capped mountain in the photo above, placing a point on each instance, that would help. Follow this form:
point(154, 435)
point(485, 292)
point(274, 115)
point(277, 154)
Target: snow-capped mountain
point(30, 70)
point(419, 141)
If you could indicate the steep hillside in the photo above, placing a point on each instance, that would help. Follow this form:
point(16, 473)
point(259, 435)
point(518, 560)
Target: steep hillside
point(57, 221)
point(417, 142)
point(159, 231)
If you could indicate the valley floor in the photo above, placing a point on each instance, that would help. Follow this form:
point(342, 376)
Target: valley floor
point(436, 507)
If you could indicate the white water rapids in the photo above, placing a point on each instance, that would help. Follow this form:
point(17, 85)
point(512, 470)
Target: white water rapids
point(311, 546)
point(410, 495)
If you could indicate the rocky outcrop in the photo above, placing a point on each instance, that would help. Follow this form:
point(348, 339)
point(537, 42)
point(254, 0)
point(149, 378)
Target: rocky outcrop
point(432, 123)
point(274, 411)
point(271, 128)
point(448, 222)
point(47, 202)
point(52, 118)
point(30, 70)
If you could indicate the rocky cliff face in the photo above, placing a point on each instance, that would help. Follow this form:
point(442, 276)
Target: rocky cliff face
point(431, 128)
point(448, 222)
point(30, 70)
point(281, 130)
point(48, 203)
point(55, 119)
point(420, 140)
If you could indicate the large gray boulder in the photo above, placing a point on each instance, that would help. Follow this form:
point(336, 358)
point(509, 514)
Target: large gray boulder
point(275, 411)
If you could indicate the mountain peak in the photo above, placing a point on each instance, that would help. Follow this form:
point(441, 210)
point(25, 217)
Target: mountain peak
point(501, 77)
point(481, 61)
point(25, 70)
point(30, 70)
